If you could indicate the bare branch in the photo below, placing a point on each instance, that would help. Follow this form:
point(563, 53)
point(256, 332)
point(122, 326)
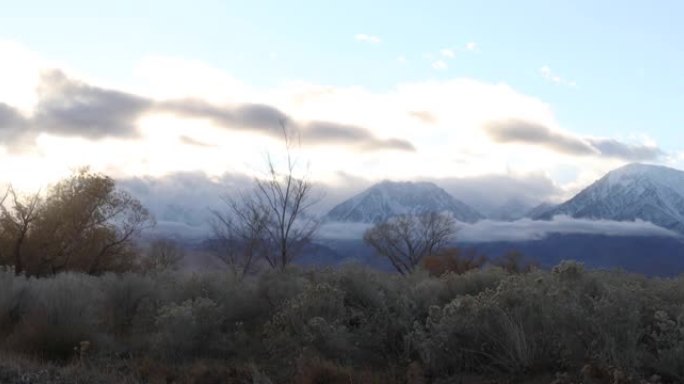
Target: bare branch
point(272, 221)
point(405, 240)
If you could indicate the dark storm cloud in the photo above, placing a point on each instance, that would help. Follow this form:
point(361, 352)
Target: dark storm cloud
point(73, 108)
point(321, 132)
point(521, 131)
point(614, 148)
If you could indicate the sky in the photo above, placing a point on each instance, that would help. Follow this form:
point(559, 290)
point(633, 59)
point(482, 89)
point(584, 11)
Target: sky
point(526, 99)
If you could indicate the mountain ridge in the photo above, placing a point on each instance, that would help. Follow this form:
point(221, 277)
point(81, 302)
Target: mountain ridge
point(386, 199)
point(635, 191)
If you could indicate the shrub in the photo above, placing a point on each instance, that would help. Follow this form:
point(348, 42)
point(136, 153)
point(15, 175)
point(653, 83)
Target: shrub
point(453, 260)
point(57, 314)
point(122, 298)
point(323, 325)
point(188, 329)
point(12, 296)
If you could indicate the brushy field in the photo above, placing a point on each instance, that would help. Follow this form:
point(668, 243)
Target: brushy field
point(349, 325)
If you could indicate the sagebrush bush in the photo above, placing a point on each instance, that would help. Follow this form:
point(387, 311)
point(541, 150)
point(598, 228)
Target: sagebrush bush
point(121, 300)
point(12, 296)
point(188, 329)
point(323, 325)
point(56, 315)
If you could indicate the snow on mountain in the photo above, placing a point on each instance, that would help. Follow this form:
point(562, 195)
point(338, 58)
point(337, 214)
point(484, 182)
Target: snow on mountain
point(635, 191)
point(387, 199)
point(540, 210)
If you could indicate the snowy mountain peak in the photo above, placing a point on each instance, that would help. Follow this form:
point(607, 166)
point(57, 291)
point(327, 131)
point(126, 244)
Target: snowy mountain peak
point(389, 198)
point(656, 174)
point(635, 191)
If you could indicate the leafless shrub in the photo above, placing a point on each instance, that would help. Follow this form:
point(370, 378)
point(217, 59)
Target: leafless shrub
point(406, 239)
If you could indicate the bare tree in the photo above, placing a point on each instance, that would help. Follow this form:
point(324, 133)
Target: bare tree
point(271, 221)
point(162, 255)
point(405, 239)
point(240, 234)
point(15, 223)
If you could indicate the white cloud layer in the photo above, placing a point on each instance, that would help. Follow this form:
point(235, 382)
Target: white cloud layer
point(520, 230)
point(371, 39)
point(527, 229)
point(427, 129)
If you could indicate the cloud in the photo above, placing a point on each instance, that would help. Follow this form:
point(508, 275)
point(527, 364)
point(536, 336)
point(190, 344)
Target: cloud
point(322, 132)
point(526, 132)
point(528, 229)
point(521, 131)
point(12, 123)
point(154, 124)
point(190, 141)
point(9, 117)
point(397, 144)
point(371, 39)
point(342, 231)
point(424, 116)
point(617, 149)
point(440, 65)
point(448, 53)
point(184, 197)
point(471, 46)
point(266, 119)
point(546, 72)
point(520, 230)
point(67, 107)
point(73, 108)
point(258, 117)
point(528, 189)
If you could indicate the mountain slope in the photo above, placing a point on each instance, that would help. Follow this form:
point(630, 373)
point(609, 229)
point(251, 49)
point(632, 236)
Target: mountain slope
point(387, 199)
point(636, 191)
point(540, 210)
point(512, 209)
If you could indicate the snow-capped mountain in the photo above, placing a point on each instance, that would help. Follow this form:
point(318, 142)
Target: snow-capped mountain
point(635, 191)
point(387, 199)
point(540, 210)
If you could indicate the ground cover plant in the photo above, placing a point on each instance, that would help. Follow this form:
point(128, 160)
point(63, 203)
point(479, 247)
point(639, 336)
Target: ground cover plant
point(351, 324)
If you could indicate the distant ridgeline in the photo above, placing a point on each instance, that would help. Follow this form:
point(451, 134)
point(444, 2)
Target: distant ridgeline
point(639, 192)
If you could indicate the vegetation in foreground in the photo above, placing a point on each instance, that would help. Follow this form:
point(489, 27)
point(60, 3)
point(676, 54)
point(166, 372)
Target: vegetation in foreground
point(353, 325)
